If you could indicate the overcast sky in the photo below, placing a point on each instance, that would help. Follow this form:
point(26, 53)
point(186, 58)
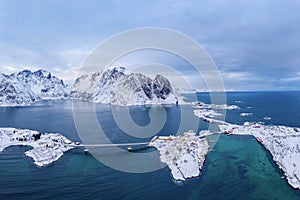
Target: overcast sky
point(255, 44)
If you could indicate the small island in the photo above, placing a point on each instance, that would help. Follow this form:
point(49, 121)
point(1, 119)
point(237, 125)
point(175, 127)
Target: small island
point(184, 154)
point(47, 148)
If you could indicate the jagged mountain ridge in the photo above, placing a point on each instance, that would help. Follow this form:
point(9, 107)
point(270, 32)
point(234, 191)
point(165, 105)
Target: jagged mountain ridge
point(115, 87)
point(12, 92)
point(111, 86)
point(26, 87)
point(43, 84)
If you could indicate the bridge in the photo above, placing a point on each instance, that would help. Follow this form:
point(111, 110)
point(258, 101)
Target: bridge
point(109, 145)
point(128, 145)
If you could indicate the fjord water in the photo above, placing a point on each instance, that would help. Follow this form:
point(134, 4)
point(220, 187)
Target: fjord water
point(237, 168)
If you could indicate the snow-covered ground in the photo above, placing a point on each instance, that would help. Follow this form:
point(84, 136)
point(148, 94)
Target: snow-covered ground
point(184, 155)
point(283, 143)
point(47, 148)
point(202, 105)
point(207, 111)
point(208, 115)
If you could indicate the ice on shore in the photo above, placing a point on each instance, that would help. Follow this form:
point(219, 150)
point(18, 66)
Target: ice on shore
point(267, 118)
point(47, 148)
point(246, 114)
point(207, 111)
point(282, 142)
point(184, 155)
point(208, 115)
point(202, 105)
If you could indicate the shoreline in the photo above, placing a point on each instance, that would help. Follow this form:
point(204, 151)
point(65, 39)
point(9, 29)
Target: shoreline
point(281, 141)
point(46, 148)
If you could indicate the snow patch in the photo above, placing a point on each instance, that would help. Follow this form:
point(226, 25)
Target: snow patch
point(245, 114)
point(47, 148)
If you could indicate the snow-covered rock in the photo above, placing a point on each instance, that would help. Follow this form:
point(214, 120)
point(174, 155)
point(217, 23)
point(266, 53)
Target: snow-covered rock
point(115, 87)
point(267, 118)
point(208, 115)
point(26, 87)
point(202, 105)
point(13, 92)
point(184, 155)
point(47, 148)
point(111, 86)
point(43, 84)
point(207, 111)
point(245, 114)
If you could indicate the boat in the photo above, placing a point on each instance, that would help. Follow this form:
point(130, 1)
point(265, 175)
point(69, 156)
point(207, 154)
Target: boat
point(259, 139)
point(228, 132)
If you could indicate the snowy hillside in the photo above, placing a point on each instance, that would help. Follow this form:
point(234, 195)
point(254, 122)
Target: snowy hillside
point(26, 87)
point(109, 86)
point(13, 93)
point(115, 87)
point(43, 84)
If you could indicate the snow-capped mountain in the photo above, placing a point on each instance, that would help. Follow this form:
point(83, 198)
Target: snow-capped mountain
point(115, 87)
point(111, 86)
point(26, 87)
point(13, 92)
point(43, 84)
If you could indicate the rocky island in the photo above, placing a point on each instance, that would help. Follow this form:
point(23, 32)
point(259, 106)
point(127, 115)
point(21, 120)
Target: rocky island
point(47, 148)
point(184, 155)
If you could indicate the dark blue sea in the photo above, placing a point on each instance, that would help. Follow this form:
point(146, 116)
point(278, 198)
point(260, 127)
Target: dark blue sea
point(237, 167)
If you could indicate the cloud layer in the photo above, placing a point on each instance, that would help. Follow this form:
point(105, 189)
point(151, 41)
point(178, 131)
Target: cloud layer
point(256, 44)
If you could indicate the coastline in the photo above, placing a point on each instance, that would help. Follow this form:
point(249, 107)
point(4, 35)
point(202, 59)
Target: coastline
point(281, 141)
point(47, 148)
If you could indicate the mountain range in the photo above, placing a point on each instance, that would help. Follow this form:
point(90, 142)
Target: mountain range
point(111, 86)
point(26, 87)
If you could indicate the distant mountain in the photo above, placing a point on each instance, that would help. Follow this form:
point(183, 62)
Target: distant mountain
point(13, 92)
point(43, 84)
point(111, 86)
point(26, 87)
point(115, 87)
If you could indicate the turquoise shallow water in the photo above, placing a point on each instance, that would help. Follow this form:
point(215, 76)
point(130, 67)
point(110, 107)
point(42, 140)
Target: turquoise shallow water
point(237, 168)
